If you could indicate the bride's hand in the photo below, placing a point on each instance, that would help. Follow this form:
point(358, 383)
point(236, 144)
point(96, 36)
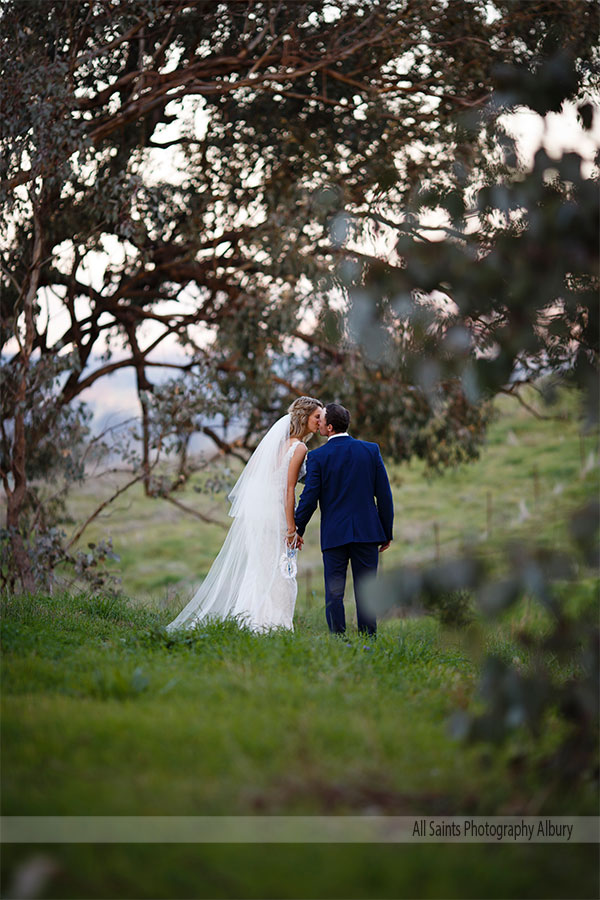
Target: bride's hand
point(293, 539)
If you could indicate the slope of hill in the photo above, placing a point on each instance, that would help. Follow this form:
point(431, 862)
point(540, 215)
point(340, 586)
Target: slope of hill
point(531, 474)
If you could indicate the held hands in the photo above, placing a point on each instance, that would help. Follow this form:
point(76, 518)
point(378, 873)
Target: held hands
point(293, 539)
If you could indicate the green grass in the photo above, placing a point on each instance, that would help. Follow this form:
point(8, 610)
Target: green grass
point(320, 871)
point(103, 713)
point(277, 713)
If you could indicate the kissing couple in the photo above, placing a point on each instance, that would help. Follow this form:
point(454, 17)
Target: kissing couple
point(253, 578)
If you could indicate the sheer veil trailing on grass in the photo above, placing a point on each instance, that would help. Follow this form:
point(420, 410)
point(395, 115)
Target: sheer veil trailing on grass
point(246, 581)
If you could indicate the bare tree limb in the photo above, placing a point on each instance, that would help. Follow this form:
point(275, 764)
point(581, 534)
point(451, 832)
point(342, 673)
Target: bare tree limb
point(513, 392)
point(102, 506)
point(194, 512)
point(221, 444)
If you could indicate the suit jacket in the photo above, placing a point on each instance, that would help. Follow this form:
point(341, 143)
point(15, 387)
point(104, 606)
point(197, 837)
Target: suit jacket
point(347, 478)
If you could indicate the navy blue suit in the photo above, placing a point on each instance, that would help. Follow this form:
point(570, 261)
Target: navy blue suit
point(347, 478)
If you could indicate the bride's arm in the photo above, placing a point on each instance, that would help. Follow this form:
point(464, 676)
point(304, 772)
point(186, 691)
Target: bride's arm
point(292, 479)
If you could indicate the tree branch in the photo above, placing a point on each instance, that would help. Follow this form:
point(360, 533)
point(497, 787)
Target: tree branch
point(221, 444)
point(194, 512)
point(513, 392)
point(102, 506)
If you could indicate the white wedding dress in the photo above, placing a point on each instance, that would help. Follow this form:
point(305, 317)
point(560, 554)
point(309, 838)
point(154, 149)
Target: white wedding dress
point(249, 580)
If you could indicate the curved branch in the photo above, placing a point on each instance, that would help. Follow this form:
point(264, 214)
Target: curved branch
point(194, 512)
point(99, 509)
point(192, 79)
point(221, 444)
point(512, 392)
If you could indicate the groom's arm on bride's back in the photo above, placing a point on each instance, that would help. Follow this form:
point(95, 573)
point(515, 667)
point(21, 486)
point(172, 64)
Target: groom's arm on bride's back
point(383, 496)
point(310, 495)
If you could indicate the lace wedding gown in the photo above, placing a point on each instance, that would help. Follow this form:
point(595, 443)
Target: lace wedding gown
point(247, 581)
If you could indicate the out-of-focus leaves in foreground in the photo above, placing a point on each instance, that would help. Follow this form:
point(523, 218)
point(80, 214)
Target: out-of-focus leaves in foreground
point(514, 695)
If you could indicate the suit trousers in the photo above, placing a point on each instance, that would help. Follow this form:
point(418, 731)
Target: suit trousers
point(364, 558)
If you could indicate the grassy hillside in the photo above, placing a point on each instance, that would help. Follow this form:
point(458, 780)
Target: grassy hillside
point(103, 716)
point(103, 713)
point(531, 474)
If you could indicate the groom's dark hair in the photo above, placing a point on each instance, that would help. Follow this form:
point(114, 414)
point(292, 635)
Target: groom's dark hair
point(338, 417)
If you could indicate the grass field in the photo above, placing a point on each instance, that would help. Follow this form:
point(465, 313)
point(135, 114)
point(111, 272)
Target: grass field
point(104, 714)
point(531, 474)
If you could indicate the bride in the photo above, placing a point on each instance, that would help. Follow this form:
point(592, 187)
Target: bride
point(253, 579)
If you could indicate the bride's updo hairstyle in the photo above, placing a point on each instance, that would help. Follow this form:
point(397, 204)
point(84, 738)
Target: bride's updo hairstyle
point(300, 410)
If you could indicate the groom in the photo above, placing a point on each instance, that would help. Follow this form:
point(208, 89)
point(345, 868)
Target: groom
point(348, 479)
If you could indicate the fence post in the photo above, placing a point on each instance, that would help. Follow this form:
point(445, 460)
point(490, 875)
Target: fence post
point(536, 486)
point(436, 534)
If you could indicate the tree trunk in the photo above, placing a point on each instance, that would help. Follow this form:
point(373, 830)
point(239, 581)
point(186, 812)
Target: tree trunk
point(16, 496)
point(22, 563)
point(183, 472)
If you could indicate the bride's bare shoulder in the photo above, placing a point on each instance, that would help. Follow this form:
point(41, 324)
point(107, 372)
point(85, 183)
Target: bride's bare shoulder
point(300, 448)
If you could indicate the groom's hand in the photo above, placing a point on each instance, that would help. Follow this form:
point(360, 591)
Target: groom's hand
point(384, 546)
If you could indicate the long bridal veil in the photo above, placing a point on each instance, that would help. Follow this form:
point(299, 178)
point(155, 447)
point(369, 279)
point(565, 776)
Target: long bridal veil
point(245, 580)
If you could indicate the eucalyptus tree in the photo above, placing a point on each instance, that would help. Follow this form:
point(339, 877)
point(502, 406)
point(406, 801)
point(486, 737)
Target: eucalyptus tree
point(201, 186)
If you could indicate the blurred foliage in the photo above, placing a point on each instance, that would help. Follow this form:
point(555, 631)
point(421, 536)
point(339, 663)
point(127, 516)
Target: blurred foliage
point(514, 265)
point(512, 696)
point(452, 608)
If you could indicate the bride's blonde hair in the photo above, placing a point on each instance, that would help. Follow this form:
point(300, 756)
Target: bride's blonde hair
point(300, 410)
